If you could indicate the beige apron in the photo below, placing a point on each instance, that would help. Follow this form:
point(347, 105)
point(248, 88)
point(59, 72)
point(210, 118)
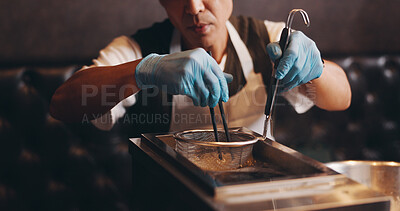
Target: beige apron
point(244, 109)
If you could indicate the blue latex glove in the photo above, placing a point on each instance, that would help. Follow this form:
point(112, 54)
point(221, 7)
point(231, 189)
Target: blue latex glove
point(300, 63)
point(193, 73)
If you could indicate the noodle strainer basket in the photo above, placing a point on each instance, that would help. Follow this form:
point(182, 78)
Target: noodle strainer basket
point(200, 148)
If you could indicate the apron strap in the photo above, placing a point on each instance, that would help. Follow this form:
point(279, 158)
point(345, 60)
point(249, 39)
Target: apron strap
point(244, 56)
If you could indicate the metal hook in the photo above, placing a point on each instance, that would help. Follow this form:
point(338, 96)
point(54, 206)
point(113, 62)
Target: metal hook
point(291, 16)
point(289, 21)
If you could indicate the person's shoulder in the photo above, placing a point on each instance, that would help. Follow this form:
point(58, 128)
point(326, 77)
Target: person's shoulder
point(249, 22)
point(120, 50)
point(244, 20)
point(273, 24)
point(249, 19)
point(121, 44)
point(248, 26)
point(121, 41)
point(274, 29)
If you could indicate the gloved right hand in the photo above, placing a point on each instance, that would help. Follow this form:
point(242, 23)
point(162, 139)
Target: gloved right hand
point(300, 63)
point(193, 73)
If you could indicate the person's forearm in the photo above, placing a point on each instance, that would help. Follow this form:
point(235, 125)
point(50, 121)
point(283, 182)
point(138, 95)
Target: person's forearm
point(331, 91)
point(93, 91)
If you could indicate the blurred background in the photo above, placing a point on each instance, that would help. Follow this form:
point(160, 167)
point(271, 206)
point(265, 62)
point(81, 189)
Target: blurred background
point(54, 31)
point(48, 165)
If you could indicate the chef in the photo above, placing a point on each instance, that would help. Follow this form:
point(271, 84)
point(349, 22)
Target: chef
point(166, 78)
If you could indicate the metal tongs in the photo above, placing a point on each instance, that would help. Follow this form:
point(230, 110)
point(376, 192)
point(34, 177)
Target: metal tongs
point(283, 43)
point(212, 113)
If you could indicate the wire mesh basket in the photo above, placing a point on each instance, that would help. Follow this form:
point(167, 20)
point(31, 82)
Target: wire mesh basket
point(200, 148)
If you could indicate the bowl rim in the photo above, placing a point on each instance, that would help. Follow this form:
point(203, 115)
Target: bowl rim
point(179, 137)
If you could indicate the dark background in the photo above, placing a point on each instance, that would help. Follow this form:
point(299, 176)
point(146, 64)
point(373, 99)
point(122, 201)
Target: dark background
point(48, 165)
point(44, 31)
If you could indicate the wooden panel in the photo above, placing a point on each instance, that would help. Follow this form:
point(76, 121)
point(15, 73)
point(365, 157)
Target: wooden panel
point(338, 26)
point(46, 30)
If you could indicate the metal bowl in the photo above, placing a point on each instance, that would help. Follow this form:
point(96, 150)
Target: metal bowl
point(378, 175)
point(200, 148)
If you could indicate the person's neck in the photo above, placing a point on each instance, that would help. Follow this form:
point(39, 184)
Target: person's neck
point(218, 50)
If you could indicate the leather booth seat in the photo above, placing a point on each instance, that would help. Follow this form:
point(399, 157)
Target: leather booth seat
point(368, 130)
point(48, 165)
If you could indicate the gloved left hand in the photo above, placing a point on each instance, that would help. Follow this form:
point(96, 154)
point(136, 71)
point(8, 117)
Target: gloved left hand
point(300, 63)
